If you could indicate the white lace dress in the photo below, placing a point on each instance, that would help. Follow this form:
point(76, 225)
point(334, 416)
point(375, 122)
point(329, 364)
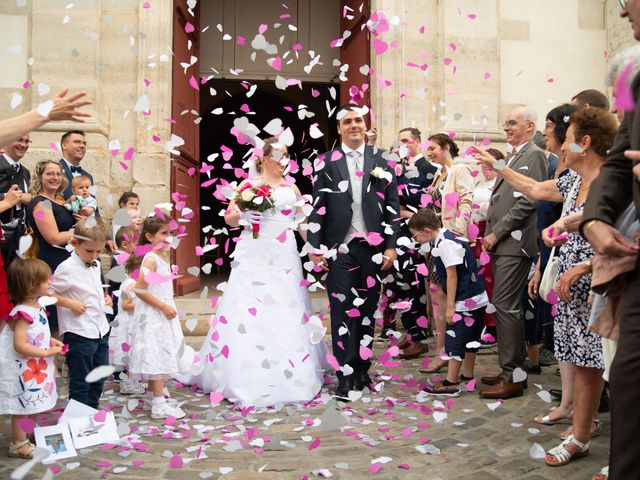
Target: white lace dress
point(157, 344)
point(122, 328)
point(263, 347)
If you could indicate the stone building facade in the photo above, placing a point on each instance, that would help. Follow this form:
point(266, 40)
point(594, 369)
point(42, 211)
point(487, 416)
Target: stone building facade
point(483, 58)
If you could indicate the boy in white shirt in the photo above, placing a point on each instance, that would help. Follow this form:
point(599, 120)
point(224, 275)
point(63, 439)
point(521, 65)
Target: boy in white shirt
point(77, 285)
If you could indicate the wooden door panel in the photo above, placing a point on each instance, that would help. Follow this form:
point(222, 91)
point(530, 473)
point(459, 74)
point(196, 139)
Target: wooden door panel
point(186, 98)
point(355, 50)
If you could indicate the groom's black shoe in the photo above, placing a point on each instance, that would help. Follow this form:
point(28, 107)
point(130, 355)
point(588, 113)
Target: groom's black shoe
point(344, 385)
point(362, 380)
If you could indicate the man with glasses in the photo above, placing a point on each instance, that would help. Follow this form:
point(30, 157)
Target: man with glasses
point(13, 173)
point(511, 237)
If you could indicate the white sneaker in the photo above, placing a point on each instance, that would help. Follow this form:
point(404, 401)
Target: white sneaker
point(165, 410)
point(132, 388)
point(147, 402)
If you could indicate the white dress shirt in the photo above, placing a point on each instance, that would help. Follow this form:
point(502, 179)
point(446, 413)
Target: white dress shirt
point(355, 163)
point(69, 165)
point(74, 280)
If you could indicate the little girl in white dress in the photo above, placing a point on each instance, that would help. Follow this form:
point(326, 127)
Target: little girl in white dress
point(157, 343)
point(120, 338)
point(27, 383)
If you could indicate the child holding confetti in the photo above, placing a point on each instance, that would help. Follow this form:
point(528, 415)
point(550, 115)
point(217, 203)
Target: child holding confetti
point(27, 383)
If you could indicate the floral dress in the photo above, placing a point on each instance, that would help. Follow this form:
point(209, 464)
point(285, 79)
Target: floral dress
point(573, 342)
point(27, 384)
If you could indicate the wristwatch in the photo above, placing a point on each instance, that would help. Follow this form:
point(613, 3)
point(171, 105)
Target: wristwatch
point(588, 225)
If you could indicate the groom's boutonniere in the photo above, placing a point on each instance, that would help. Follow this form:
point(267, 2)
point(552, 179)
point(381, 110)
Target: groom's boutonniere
point(381, 173)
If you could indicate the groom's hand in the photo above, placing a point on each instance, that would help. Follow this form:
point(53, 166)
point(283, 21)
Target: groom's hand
point(320, 261)
point(389, 256)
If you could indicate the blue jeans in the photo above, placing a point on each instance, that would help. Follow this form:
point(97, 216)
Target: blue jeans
point(84, 355)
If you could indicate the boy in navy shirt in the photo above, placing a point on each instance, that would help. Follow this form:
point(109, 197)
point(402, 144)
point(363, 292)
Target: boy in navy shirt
point(466, 297)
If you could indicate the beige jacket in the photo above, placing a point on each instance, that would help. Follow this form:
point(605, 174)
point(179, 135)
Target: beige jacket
point(457, 198)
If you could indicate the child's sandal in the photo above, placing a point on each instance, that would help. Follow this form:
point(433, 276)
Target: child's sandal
point(14, 450)
point(561, 456)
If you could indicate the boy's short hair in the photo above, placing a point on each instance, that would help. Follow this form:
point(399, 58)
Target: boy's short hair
point(125, 234)
point(80, 178)
point(124, 198)
point(424, 218)
point(90, 229)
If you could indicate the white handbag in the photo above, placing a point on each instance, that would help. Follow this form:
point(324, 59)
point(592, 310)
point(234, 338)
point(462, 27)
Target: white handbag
point(550, 275)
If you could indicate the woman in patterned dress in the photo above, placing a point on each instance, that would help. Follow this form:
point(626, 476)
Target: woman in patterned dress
point(591, 133)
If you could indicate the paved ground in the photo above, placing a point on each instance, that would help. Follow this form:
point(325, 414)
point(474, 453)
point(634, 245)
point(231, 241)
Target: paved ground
point(396, 433)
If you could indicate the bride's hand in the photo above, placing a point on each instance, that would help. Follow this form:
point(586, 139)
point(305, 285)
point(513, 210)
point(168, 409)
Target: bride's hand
point(250, 217)
point(320, 261)
point(389, 256)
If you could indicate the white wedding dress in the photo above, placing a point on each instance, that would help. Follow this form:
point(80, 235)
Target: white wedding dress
point(264, 347)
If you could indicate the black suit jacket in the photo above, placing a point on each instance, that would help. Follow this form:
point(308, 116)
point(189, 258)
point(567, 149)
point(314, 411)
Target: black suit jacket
point(8, 177)
point(613, 189)
point(68, 192)
point(332, 208)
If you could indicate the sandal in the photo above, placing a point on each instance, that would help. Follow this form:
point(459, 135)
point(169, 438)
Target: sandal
point(14, 450)
point(562, 456)
point(547, 420)
point(602, 474)
point(595, 432)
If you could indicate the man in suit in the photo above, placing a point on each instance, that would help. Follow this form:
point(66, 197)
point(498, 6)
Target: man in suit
point(352, 231)
point(74, 148)
point(609, 195)
point(13, 173)
point(406, 284)
point(511, 237)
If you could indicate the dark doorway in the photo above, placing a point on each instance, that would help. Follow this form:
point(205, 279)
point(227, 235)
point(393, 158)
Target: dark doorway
point(266, 103)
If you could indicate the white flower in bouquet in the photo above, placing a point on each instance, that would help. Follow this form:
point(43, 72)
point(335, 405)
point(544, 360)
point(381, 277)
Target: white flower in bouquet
point(247, 195)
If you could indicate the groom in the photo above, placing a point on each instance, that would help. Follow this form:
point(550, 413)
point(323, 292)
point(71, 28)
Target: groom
point(355, 205)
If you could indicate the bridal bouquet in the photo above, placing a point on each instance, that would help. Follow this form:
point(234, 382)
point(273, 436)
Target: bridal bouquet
point(257, 198)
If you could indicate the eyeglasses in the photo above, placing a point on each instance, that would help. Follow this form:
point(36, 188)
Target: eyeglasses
point(623, 3)
point(510, 123)
point(53, 174)
point(549, 125)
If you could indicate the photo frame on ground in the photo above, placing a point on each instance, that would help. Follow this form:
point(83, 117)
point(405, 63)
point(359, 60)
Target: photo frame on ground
point(56, 439)
point(91, 430)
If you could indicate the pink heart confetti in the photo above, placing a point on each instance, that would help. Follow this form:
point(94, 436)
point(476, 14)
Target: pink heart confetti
point(365, 352)
point(314, 444)
point(333, 361)
point(101, 416)
point(27, 425)
point(176, 462)
point(375, 467)
point(189, 27)
point(380, 46)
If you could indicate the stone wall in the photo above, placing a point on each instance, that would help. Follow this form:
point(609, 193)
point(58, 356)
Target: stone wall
point(108, 48)
point(483, 59)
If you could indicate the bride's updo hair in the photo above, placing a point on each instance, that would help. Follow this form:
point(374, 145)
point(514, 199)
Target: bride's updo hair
point(267, 151)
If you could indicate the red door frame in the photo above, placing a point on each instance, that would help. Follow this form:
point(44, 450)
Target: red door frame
point(356, 49)
point(185, 176)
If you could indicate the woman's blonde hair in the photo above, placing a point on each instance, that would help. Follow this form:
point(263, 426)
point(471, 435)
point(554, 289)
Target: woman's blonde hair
point(36, 179)
point(267, 151)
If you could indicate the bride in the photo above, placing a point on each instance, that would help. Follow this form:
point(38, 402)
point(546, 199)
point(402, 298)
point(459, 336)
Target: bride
point(264, 346)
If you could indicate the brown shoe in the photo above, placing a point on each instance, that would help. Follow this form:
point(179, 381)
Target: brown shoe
point(414, 351)
point(503, 389)
point(404, 343)
point(491, 380)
